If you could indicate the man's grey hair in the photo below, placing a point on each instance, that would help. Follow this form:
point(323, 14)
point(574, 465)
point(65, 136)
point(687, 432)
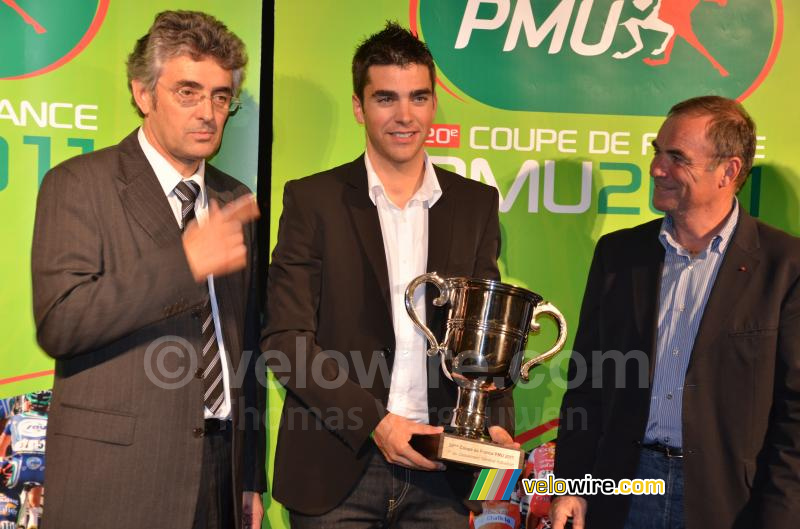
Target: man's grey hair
point(176, 33)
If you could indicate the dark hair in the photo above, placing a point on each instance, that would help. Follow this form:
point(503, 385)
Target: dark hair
point(191, 33)
point(731, 129)
point(393, 45)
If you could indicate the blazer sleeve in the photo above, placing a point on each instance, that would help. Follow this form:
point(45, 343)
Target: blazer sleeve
point(577, 440)
point(289, 341)
point(79, 304)
point(780, 487)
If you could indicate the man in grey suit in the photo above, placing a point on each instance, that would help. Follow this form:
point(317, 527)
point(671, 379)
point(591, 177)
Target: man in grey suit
point(143, 293)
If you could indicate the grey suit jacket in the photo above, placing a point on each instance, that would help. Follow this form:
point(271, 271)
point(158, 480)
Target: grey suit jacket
point(112, 292)
point(741, 402)
point(328, 290)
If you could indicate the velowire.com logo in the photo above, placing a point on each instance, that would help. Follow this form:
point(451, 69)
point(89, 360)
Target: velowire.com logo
point(39, 36)
point(633, 57)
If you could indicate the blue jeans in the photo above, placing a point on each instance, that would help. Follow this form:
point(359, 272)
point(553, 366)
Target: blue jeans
point(658, 511)
point(392, 496)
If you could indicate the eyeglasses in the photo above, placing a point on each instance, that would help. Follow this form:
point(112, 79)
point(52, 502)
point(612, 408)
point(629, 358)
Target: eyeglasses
point(187, 96)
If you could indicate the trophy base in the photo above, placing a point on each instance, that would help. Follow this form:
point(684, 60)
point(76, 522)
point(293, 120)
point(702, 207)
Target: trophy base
point(452, 448)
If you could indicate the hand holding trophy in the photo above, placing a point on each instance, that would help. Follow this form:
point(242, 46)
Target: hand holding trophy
point(486, 330)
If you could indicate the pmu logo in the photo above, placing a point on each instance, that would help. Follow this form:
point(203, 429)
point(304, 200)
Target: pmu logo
point(39, 36)
point(635, 57)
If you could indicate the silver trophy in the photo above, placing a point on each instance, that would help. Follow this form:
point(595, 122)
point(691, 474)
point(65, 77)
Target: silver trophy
point(487, 327)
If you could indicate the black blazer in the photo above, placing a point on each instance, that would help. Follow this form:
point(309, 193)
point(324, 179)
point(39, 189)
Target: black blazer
point(741, 403)
point(328, 290)
point(111, 286)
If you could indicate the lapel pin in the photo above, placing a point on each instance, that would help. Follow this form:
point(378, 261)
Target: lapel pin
point(743, 268)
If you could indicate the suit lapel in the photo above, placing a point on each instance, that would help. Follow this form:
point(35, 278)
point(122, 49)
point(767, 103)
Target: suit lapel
point(226, 287)
point(440, 228)
point(737, 267)
point(367, 224)
point(646, 281)
point(215, 189)
point(142, 195)
point(440, 237)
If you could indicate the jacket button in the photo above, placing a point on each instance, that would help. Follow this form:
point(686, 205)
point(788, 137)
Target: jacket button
point(198, 432)
point(387, 351)
point(198, 373)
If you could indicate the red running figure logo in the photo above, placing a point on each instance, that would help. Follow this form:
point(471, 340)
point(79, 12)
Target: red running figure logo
point(673, 18)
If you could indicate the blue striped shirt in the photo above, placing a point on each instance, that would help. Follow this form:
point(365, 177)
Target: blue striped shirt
point(686, 283)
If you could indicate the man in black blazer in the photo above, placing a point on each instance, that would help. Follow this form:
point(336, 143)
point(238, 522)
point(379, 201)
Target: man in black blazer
point(705, 307)
point(150, 315)
point(358, 381)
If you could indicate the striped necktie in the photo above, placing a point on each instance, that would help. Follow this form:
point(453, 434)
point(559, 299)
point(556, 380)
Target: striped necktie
point(187, 192)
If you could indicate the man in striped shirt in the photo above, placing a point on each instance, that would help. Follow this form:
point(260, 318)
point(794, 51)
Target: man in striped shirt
point(689, 338)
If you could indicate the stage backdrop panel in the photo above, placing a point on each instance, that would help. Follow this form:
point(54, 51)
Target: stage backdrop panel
point(551, 102)
point(63, 91)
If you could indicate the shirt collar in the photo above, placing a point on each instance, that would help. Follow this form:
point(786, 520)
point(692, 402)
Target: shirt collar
point(427, 194)
point(719, 242)
point(168, 176)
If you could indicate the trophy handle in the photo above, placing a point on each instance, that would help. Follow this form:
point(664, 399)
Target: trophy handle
point(546, 308)
point(444, 296)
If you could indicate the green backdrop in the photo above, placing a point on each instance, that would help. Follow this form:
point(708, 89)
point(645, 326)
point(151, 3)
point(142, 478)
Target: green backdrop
point(562, 135)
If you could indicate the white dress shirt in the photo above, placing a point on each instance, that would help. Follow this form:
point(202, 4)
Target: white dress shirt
point(405, 241)
point(169, 177)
